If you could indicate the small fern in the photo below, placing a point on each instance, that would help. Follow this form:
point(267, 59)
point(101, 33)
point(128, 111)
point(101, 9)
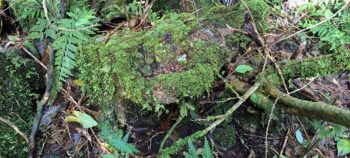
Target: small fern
point(71, 33)
point(333, 33)
point(68, 34)
point(117, 141)
point(192, 153)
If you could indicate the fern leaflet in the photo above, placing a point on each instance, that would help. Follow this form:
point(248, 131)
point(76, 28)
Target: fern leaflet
point(118, 141)
point(192, 153)
point(206, 152)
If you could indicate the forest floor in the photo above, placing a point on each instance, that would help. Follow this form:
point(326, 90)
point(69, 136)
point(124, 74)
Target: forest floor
point(242, 135)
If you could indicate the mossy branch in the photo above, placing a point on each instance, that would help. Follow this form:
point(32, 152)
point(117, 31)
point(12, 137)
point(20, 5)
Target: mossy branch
point(296, 106)
point(316, 110)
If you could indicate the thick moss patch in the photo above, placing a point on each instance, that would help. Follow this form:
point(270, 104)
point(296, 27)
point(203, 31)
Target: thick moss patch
point(161, 65)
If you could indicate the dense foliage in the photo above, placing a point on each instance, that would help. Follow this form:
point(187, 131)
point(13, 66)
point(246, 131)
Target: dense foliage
point(19, 77)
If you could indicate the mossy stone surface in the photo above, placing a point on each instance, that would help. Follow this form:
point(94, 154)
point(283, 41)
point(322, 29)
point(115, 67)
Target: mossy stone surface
point(158, 66)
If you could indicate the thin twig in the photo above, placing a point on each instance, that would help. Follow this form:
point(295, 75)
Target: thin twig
point(284, 143)
point(220, 101)
point(236, 30)
point(8, 122)
point(100, 143)
point(78, 105)
point(32, 56)
point(126, 12)
point(46, 12)
point(277, 68)
point(145, 14)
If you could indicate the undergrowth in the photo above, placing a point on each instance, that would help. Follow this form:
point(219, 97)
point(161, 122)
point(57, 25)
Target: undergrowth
point(332, 38)
point(67, 34)
point(18, 79)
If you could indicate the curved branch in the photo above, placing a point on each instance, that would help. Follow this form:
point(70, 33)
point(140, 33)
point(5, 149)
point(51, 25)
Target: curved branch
point(8, 122)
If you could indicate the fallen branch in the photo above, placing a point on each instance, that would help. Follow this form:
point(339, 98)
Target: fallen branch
point(316, 110)
point(273, 107)
point(295, 106)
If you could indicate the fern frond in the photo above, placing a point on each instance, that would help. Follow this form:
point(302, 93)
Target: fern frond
point(67, 42)
point(207, 152)
point(122, 146)
point(192, 153)
point(118, 140)
point(37, 31)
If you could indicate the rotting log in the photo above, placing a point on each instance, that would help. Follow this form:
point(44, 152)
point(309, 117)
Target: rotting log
point(295, 106)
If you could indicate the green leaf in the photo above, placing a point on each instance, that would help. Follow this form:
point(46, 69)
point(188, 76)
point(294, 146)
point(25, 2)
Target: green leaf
point(51, 33)
point(184, 109)
point(35, 35)
point(343, 147)
point(316, 156)
point(182, 59)
point(299, 136)
point(84, 119)
point(243, 69)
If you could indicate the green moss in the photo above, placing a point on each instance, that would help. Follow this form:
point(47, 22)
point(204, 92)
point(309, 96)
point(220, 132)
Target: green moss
point(18, 78)
point(225, 137)
point(158, 66)
point(318, 66)
point(234, 15)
